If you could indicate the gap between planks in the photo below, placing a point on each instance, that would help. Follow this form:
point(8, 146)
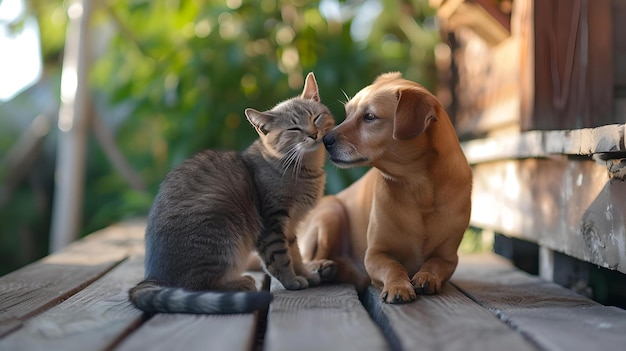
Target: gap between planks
point(446, 321)
point(92, 319)
point(233, 332)
point(99, 316)
point(326, 317)
point(552, 317)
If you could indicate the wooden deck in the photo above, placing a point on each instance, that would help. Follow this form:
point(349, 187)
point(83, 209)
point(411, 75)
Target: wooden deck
point(77, 300)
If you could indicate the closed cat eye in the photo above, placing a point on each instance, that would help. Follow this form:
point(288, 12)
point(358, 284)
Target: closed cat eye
point(295, 129)
point(317, 118)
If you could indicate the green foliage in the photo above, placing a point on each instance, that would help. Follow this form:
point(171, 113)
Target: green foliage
point(474, 241)
point(172, 77)
point(185, 71)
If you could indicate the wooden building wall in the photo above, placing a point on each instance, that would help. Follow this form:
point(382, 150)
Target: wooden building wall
point(574, 64)
point(537, 92)
point(546, 65)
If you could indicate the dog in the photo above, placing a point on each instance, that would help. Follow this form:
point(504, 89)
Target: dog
point(400, 225)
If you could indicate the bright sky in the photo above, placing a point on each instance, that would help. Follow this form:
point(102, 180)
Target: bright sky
point(364, 15)
point(20, 54)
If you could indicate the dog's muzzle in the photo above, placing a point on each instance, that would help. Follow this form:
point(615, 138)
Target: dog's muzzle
point(329, 141)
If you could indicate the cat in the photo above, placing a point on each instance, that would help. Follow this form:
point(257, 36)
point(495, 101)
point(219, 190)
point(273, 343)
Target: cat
point(217, 207)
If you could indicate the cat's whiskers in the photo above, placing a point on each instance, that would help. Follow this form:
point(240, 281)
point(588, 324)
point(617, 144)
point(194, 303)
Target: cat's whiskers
point(298, 160)
point(293, 159)
point(290, 158)
point(298, 165)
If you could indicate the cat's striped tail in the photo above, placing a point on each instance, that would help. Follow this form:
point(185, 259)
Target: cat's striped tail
point(149, 296)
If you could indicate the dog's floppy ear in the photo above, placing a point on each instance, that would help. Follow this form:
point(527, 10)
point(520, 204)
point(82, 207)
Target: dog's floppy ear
point(310, 90)
point(415, 111)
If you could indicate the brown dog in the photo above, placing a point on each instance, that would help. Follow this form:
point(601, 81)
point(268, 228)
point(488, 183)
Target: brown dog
point(403, 221)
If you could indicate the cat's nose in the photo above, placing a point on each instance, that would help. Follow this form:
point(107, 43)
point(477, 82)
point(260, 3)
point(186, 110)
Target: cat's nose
point(329, 139)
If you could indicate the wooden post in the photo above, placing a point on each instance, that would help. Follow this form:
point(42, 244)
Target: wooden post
point(73, 127)
point(546, 263)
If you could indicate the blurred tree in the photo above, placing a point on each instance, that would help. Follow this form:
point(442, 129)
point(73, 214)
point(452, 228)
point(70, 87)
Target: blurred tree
point(172, 77)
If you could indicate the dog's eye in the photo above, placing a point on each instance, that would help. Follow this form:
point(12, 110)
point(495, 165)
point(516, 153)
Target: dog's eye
point(369, 117)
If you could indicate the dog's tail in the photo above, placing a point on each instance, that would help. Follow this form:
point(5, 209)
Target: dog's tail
point(152, 297)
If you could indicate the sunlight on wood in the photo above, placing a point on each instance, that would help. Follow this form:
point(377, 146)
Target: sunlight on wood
point(128, 236)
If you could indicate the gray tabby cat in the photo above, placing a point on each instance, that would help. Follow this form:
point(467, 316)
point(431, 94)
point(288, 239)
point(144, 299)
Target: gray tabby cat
point(218, 206)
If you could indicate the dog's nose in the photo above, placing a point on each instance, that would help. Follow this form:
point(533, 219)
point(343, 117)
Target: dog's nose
point(329, 139)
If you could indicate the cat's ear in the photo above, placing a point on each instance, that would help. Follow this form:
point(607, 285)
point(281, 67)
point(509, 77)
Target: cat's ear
point(310, 91)
point(258, 120)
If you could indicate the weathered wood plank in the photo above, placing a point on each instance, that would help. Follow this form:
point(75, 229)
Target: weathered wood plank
point(194, 332)
point(447, 321)
point(43, 284)
point(92, 319)
point(568, 206)
point(328, 317)
point(601, 140)
point(552, 317)
point(197, 332)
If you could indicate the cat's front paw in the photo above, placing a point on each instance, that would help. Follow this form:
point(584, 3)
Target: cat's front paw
point(297, 283)
point(326, 269)
point(313, 279)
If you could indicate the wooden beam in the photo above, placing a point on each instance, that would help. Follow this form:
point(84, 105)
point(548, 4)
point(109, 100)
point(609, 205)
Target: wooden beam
point(73, 128)
point(568, 206)
point(494, 11)
point(606, 140)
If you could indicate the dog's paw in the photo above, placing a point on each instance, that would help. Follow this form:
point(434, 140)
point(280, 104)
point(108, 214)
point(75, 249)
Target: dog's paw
point(426, 283)
point(326, 269)
point(297, 283)
point(398, 292)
